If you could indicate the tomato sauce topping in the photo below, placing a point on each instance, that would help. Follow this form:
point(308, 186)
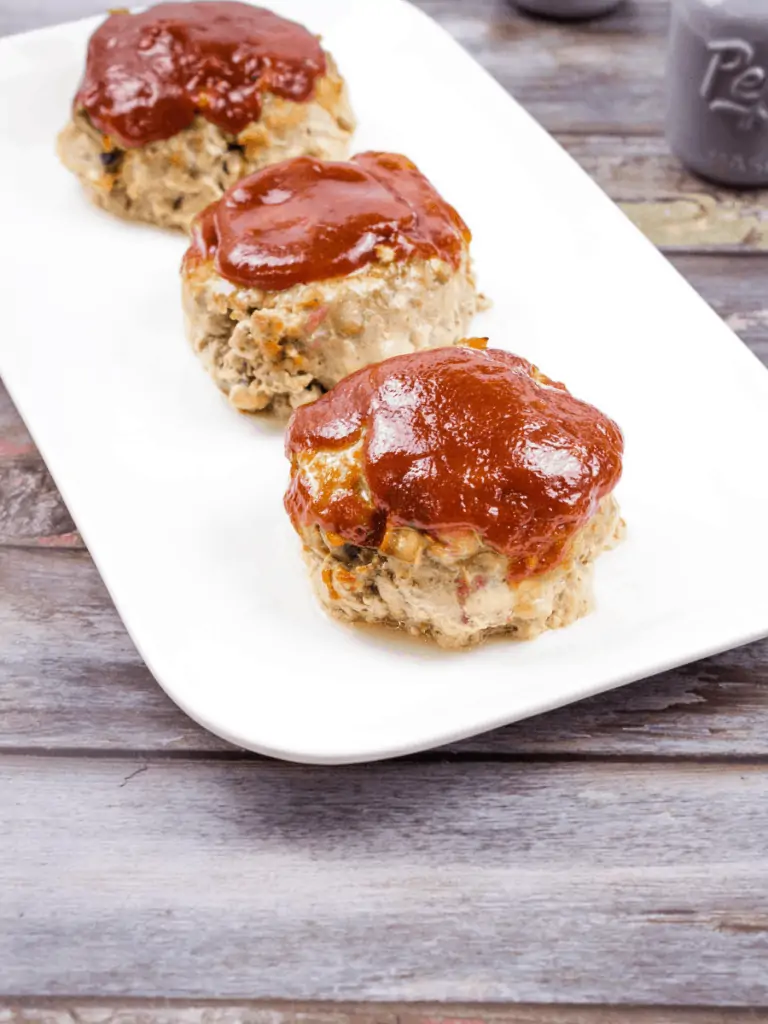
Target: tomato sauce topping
point(147, 75)
point(308, 220)
point(454, 438)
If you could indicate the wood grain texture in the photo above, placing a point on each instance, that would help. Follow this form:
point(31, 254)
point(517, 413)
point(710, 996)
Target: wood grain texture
point(618, 883)
point(606, 75)
point(31, 508)
point(67, 1011)
point(592, 856)
point(673, 208)
point(70, 679)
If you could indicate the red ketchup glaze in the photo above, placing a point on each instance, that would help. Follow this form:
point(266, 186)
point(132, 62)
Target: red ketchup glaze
point(454, 438)
point(308, 220)
point(147, 75)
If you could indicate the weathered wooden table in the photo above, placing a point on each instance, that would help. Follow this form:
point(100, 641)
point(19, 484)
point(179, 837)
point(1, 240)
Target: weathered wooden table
point(603, 863)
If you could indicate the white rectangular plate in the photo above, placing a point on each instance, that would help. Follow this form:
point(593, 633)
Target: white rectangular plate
point(180, 499)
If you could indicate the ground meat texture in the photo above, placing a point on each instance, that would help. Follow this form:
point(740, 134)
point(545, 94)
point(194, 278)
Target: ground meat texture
point(306, 320)
point(456, 594)
point(277, 350)
point(458, 493)
point(168, 181)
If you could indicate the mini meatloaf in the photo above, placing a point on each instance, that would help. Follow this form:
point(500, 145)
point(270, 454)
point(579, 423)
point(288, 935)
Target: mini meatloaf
point(456, 493)
point(180, 101)
point(309, 270)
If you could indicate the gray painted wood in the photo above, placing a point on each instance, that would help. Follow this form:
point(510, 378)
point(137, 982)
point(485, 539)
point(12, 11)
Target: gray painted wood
point(618, 883)
point(58, 1011)
point(605, 75)
point(142, 857)
point(673, 208)
point(70, 679)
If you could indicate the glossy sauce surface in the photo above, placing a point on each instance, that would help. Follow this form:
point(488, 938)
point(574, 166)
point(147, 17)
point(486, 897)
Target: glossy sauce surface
point(309, 220)
point(147, 75)
point(454, 439)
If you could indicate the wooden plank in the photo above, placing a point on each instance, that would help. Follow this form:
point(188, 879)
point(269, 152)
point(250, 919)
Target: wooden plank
point(732, 286)
point(70, 678)
point(58, 1011)
point(31, 508)
point(594, 883)
point(605, 75)
point(670, 206)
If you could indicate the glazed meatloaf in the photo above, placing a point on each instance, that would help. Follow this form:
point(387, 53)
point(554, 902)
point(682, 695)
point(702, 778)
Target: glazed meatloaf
point(309, 270)
point(183, 99)
point(456, 493)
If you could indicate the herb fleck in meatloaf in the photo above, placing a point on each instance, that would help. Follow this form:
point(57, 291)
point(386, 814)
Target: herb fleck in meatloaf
point(455, 493)
point(309, 270)
point(182, 100)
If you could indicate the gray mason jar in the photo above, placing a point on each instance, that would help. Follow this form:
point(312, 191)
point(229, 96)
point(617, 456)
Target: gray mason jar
point(569, 9)
point(717, 89)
